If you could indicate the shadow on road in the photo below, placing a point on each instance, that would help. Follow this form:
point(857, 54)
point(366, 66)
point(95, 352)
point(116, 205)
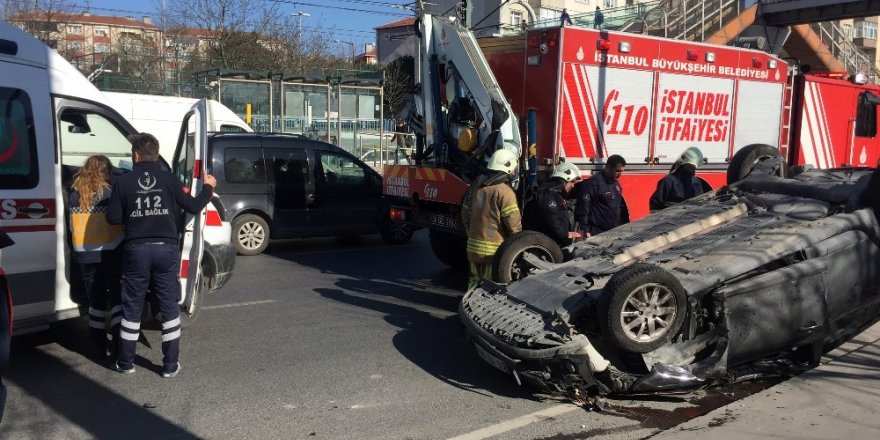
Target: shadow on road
point(96, 409)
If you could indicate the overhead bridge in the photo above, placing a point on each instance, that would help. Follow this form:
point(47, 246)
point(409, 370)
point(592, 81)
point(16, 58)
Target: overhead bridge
point(791, 12)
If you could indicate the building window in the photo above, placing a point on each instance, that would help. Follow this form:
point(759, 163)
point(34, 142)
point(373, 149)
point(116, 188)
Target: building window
point(866, 29)
point(101, 32)
point(610, 3)
point(102, 48)
point(516, 18)
point(74, 29)
point(75, 46)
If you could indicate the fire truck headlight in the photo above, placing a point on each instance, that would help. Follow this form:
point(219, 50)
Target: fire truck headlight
point(771, 64)
point(624, 47)
point(710, 57)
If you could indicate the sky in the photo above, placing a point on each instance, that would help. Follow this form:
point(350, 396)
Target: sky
point(353, 20)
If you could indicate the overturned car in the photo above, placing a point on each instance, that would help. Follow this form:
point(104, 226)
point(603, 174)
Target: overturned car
point(765, 267)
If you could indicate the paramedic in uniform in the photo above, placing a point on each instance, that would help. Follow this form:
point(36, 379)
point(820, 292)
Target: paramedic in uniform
point(600, 205)
point(681, 183)
point(490, 214)
point(549, 212)
point(148, 202)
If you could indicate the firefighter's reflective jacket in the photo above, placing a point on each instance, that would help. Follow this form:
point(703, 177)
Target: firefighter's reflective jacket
point(490, 214)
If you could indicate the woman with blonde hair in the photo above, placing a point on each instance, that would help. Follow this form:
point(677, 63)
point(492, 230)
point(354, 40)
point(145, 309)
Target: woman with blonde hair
point(94, 248)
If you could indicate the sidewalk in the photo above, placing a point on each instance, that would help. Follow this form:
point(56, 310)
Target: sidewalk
point(839, 399)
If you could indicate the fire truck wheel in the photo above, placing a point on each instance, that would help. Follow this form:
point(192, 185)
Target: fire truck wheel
point(642, 307)
point(395, 232)
point(747, 158)
point(449, 248)
point(511, 259)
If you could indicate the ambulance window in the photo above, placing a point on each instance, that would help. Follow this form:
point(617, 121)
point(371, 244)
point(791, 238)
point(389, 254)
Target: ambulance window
point(85, 133)
point(866, 117)
point(18, 149)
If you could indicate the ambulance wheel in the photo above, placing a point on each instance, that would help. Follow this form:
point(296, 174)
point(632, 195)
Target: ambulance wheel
point(642, 307)
point(449, 248)
point(749, 157)
point(395, 232)
point(190, 309)
point(250, 234)
point(511, 261)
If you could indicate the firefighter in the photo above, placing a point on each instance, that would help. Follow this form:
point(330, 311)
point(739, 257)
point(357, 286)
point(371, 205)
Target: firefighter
point(148, 202)
point(549, 212)
point(490, 214)
point(600, 205)
point(681, 183)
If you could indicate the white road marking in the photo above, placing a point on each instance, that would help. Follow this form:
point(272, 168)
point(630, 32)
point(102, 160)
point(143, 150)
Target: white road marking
point(519, 422)
point(241, 304)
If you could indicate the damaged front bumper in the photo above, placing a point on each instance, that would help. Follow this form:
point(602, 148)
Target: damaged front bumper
point(559, 365)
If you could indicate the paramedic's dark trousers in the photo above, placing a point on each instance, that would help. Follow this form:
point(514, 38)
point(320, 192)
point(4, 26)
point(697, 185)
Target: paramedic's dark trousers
point(142, 262)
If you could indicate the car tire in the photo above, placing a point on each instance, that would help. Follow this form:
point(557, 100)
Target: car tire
point(394, 232)
point(508, 264)
point(250, 234)
point(744, 161)
point(449, 248)
point(638, 298)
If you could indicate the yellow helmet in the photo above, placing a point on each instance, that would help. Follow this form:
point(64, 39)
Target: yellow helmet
point(467, 140)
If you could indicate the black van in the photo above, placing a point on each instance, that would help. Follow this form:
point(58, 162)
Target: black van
point(288, 186)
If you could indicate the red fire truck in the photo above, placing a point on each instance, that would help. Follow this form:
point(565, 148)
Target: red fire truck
point(581, 95)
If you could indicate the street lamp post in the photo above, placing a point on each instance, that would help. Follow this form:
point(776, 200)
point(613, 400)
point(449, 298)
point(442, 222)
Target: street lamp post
point(299, 28)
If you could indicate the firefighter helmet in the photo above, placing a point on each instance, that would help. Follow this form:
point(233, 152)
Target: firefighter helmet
point(693, 156)
point(567, 172)
point(503, 160)
point(467, 140)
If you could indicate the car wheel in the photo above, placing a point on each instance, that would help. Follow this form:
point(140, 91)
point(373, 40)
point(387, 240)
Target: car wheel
point(394, 232)
point(449, 248)
point(642, 307)
point(511, 260)
point(747, 159)
point(250, 234)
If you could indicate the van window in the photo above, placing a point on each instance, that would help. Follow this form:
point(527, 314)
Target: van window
point(84, 133)
point(342, 170)
point(18, 149)
point(244, 165)
point(290, 173)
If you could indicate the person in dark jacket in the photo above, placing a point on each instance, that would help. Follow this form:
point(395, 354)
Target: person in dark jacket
point(549, 212)
point(681, 183)
point(600, 205)
point(564, 18)
point(148, 202)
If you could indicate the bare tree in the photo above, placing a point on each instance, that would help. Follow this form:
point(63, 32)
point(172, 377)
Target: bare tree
point(398, 84)
point(40, 18)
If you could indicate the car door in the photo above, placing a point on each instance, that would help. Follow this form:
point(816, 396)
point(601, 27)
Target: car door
point(291, 187)
point(189, 165)
point(349, 193)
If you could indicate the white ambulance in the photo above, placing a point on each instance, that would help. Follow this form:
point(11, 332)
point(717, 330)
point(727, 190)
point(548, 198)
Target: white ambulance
point(51, 120)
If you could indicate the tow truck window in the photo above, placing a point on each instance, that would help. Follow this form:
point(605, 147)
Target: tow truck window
point(866, 117)
point(18, 150)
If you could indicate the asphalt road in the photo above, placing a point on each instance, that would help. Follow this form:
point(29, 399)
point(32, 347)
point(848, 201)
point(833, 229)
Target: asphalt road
point(320, 338)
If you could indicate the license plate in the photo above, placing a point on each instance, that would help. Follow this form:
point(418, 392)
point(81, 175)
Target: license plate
point(492, 360)
point(443, 221)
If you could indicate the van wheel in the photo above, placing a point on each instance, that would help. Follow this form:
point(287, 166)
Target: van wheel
point(395, 232)
point(250, 234)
